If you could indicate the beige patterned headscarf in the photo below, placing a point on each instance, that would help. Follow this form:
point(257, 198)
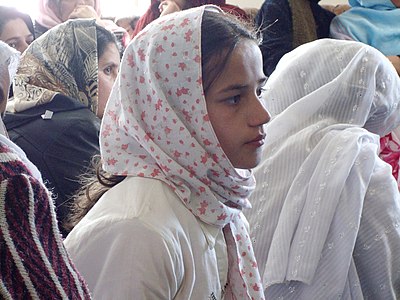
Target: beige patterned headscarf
point(63, 60)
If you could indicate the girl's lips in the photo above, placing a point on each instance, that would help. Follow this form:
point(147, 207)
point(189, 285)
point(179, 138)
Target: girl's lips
point(258, 141)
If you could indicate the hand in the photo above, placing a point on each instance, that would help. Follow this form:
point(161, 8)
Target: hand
point(168, 6)
point(395, 60)
point(396, 3)
point(83, 11)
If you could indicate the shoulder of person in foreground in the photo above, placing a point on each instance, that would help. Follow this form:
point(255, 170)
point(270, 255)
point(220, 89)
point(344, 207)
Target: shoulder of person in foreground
point(38, 265)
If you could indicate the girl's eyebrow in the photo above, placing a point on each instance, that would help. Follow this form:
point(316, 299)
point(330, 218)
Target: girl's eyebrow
point(235, 86)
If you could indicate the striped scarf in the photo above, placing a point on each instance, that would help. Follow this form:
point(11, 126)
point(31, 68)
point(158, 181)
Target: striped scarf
point(33, 261)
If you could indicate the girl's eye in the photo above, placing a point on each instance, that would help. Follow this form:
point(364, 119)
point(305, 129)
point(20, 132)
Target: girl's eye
point(13, 45)
point(260, 91)
point(108, 70)
point(233, 100)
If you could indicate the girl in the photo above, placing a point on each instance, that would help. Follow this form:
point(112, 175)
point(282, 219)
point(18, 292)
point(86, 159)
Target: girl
point(183, 126)
point(326, 214)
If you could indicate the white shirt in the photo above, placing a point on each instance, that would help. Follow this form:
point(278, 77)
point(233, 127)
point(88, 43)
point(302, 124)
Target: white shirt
point(141, 242)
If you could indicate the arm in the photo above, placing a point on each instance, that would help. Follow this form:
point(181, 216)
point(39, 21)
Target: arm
point(37, 265)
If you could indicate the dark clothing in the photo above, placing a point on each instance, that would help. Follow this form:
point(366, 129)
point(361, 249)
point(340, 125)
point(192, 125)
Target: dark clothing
point(275, 20)
point(39, 29)
point(61, 148)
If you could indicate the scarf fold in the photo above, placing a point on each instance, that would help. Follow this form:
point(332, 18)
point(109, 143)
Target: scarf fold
point(156, 125)
point(63, 60)
point(320, 154)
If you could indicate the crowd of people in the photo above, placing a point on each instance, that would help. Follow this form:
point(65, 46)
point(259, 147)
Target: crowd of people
point(201, 150)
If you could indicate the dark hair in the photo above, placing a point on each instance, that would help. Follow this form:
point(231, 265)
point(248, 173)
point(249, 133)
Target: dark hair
point(11, 13)
point(220, 33)
point(104, 38)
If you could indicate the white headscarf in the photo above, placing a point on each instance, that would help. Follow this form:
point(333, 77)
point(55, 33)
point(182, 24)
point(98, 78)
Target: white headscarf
point(9, 59)
point(318, 160)
point(156, 125)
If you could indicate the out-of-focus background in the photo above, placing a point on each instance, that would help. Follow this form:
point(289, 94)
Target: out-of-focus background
point(137, 7)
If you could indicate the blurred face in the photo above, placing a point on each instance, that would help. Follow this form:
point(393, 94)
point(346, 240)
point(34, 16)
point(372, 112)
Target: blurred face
point(17, 35)
point(66, 7)
point(234, 107)
point(108, 70)
point(125, 23)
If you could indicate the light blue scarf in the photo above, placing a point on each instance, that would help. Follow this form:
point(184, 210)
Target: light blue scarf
point(373, 22)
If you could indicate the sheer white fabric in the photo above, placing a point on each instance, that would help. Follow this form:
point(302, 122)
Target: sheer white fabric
point(326, 217)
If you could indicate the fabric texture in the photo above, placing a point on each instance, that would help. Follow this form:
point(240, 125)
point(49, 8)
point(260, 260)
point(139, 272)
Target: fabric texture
point(61, 147)
point(326, 214)
point(9, 60)
point(371, 22)
point(153, 12)
point(47, 17)
point(122, 244)
point(285, 24)
point(58, 72)
point(156, 126)
point(390, 153)
point(34, 262)
point(64, 60)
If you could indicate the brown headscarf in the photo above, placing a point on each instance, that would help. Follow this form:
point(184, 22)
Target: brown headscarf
point(63, 60)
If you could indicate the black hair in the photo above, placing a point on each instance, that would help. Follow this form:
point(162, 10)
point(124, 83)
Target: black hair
point(11, 13)
point(104, 38)
point(220, 33)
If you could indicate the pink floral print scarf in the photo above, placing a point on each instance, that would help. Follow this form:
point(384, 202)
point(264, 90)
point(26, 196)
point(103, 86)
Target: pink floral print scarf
point(156, 125)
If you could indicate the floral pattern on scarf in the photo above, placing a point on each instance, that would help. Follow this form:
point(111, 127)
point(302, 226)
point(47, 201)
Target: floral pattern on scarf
point(156, 125)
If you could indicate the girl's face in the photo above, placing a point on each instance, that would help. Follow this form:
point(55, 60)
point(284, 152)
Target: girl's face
point(108, 71)
point(16, 34)
point(234, 107)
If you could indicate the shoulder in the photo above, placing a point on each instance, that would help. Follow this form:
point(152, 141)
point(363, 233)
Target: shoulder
point(10, 163)
point(149, 201)
point(129, 254)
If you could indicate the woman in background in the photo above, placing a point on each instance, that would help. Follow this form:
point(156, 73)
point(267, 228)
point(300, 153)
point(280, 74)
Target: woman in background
point(60, 92)
point(54, 12)
point(16, 28)
point(34, 263)
point(326, 211)
point(163, 7)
